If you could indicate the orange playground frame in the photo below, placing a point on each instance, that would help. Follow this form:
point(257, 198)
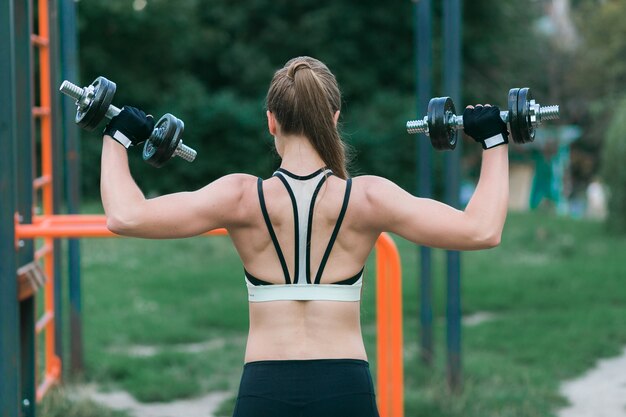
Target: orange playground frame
point(390, 377)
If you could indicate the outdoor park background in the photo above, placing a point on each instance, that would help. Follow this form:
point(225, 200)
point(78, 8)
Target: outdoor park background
point(553, 291)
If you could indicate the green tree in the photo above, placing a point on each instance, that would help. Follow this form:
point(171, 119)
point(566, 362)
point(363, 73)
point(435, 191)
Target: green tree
point(596, 77)
point(210, 63)
point(614, 168)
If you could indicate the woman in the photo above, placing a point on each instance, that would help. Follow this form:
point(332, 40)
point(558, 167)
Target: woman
point(303, 236)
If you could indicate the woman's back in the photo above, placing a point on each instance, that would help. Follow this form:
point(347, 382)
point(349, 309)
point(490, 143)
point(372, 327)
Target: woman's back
point(297, 329)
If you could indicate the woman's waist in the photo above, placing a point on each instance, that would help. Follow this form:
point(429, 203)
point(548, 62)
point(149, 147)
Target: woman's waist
point(294, 343)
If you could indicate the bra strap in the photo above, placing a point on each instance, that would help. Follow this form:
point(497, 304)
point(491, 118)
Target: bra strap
point(310, 228)
point(270, 229)
point(342, 213)
point(296, 228)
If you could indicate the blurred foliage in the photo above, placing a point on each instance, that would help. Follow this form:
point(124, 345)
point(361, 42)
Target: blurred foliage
point(599, 70)
point(595, 77)
point(595, 82)
point(210, 63)
point(614, 169)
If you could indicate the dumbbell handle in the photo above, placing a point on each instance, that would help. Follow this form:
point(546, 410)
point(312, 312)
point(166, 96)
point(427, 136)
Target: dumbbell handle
point(78, 94)
point(456, 121)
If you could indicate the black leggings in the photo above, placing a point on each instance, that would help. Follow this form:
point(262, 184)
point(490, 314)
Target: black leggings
point(306, 388)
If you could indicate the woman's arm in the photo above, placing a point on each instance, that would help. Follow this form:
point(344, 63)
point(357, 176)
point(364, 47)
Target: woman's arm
point(431, 223)
point(176, 215)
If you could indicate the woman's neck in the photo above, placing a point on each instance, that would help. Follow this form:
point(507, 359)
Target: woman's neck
point(299, 156)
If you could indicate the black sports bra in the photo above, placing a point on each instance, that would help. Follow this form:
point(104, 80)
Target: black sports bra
point(303, 191)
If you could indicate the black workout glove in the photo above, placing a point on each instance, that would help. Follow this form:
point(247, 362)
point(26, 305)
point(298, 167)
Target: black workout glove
point(484, 125)
point(130, 127)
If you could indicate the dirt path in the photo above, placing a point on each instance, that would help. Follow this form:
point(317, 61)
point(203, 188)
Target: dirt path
point(121, 400)
point(600, 392)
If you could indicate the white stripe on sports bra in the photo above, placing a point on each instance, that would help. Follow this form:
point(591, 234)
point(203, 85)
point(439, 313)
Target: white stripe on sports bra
point(304, 292)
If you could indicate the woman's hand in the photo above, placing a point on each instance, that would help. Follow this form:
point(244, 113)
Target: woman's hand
point(485, 126)
point(130, 127)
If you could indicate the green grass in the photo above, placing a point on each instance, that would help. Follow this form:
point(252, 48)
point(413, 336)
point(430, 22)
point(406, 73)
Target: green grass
point(57, 403)
point(555, 287)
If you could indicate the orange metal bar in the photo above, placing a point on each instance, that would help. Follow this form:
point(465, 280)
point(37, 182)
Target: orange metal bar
point(390, 373)
point(45, 102)
point(71, 218)
point(47, 322)
point(396, 341)
point(74, 226)
point(384, 391)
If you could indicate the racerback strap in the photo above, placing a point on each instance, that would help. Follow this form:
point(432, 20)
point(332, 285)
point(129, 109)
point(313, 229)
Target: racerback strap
point(303, 192)
point(270, 229)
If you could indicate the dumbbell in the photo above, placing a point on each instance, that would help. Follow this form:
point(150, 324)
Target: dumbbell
point(93, 103)
point(524, 116)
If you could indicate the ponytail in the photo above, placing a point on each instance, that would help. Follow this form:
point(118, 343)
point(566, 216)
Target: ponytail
point(304, 97)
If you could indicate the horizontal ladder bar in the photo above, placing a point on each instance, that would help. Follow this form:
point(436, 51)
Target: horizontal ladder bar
point(39, 41)
point(44, 321)
point(43, 251)
point(41, 111)
point(50, 379)
point(42, 181)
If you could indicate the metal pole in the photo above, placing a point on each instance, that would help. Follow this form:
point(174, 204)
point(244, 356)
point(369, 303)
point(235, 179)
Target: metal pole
point(57, 168)
point(452, 78)
point(24, 174)
point(423, 42)
point(9, 315)
point(69, 71)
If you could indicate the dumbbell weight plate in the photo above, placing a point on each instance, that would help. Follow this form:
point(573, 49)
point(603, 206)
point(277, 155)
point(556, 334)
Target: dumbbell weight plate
point(104, 90)
point(449, 110)
point(164, 140)
point(525, 127)
point(514, 118)
point(442, 135)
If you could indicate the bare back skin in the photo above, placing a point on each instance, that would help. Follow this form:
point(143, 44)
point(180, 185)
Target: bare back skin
point(304, 329)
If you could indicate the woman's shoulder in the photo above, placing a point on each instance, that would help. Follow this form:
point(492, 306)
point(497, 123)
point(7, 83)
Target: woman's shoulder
point(237, 179)
point(374, 192)
point(370, 180)
point(233, 186)
point(373, 185)
point(370, 201)
point(378, 193)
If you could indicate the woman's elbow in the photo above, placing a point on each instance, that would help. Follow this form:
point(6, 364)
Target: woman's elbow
point(489, 240)
point(493, 241)
point(120, 226)
point(483, 238)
